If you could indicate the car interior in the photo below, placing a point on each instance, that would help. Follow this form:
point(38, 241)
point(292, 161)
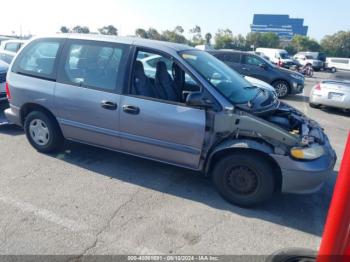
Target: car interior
point(159, 77)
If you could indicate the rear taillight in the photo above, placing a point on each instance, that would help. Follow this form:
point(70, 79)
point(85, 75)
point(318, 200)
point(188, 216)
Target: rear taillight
point(8, 94)
point(318, 87)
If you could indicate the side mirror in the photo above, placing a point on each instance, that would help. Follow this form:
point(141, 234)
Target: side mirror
point(263, 65)
point(196, 99)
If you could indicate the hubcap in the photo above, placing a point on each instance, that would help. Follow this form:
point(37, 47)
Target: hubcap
point(242, 180)
point(281, 89)
point(39, 132)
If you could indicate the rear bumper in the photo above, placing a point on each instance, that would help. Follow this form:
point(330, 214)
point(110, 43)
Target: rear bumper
point(322, 99)
point(303, 177)
point(13, 115)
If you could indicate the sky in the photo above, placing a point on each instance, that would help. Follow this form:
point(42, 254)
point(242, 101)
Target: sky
point(40, 17)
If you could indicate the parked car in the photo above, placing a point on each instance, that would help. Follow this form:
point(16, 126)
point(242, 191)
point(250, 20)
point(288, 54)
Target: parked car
point(9, 48)
point(3, 71)
point(93, 89)
point(305, 59)
point(335, 63)
point(332, 93)
point(284, 81)
point(276, 55)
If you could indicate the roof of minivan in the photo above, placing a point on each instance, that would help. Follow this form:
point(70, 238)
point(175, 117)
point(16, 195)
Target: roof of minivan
point(126, 40)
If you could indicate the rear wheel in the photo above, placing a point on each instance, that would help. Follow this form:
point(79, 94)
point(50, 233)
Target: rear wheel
point(244, 179)
point(282, 88)
point(314, 105)
point(43, 132)
point(333, 70)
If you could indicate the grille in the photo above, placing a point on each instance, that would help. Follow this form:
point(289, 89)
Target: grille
point(2, 77)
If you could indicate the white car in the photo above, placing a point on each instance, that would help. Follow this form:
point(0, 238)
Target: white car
point(332, 93)
point(276, 55)
point(9, 49)
point(308, 60)
point(334, 63)
point(3, 72)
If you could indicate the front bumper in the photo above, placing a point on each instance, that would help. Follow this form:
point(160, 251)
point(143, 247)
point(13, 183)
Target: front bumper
point(303, 177)
point(296, 88)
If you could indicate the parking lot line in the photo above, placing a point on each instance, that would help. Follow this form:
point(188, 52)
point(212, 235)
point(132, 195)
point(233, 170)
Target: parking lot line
point(44, 214)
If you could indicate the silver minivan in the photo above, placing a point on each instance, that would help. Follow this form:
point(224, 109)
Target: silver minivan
point(193, 112)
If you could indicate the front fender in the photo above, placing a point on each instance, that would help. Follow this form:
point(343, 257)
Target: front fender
point(239, 144)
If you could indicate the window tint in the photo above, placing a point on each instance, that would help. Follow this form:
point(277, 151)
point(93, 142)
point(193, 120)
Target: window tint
point(93, 65)
point(233, 58)
point(38, 59)
point(252, 60)
point(13, 47)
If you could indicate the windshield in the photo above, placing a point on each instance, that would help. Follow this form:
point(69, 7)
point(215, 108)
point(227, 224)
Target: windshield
point(284, 55)
point(227, 81)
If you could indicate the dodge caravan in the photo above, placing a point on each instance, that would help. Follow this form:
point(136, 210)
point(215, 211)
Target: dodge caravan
point(199, 115)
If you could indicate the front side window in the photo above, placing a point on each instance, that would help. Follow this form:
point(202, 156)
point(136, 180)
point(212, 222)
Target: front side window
point(228, 82)
point(160, 77)
point(93, 65)
point(252, 60)
point(38, 59)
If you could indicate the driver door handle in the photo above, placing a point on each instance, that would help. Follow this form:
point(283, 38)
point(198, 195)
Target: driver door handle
point(109, 105)
point(133, 110)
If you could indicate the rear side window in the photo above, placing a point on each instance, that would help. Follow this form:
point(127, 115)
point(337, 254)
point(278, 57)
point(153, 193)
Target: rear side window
point(38, 59)
point(12, 47)
point(233, 58)
point(97, 65)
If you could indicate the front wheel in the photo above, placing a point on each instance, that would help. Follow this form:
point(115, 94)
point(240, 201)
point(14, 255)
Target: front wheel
point(244, 179)
point(43, 132)
point(282, 88)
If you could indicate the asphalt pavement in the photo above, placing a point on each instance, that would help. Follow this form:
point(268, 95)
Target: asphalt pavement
point(93, 201)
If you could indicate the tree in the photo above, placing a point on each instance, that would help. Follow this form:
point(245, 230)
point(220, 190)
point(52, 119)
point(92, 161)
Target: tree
point(224, 39)
point(305, 43)
point(179, 29)
point(208, 37)
point(174, 36)
point(257, 39)
point(64, 29)
point(337, 44)
point(108, 30)
point(81, 29)
point(154, 34)
point(140, 32)
point(197, 38)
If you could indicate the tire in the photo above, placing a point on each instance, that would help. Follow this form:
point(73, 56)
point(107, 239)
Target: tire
point(244, 179)
point(43, 132)
point(292, 254)
point(333, 70)
point(282, 88)
point(314, 105)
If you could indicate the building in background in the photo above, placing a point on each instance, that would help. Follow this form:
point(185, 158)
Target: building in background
point(284, 26)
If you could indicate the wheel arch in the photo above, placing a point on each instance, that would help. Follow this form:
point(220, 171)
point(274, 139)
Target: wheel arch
point(247, 146)
point(30, 107)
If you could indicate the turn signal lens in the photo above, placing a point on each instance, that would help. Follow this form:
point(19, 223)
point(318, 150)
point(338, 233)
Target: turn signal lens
point(8, 93)
point(308, 153)
point(318, 87)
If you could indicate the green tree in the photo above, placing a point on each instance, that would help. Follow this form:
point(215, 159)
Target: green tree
point(256, 39)
point(64, 29)
point(174, 36)
point(337, 44)
point(223, 39)
point(108, 30)
point(81, 29)
point(154, 34)
point(197, 38)
point(305, 43)
point(140, 32)
point(179, 29)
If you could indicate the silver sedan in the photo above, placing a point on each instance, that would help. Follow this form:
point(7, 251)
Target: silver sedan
point(331, 93)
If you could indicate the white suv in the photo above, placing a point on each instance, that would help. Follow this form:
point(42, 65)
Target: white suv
point(305, 59)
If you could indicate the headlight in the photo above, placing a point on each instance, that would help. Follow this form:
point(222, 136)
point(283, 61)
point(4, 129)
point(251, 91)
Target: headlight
point(299, 77)
point(308, 153)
